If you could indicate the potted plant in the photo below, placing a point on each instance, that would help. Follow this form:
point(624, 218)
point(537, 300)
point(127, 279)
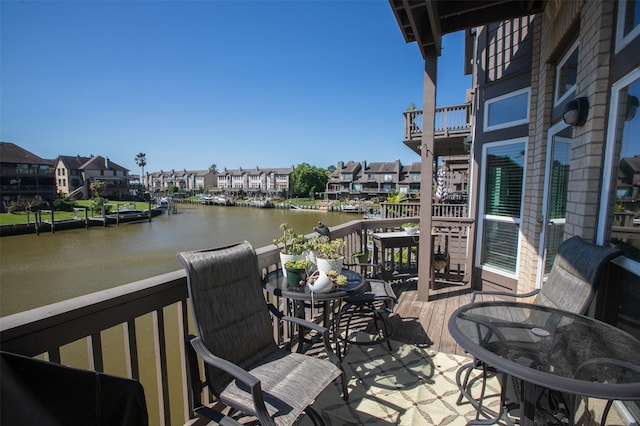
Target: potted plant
point(360, 257)
point(292, 245)
point(319, 282)
point(329, 254)
point(410, 228)
point(296, 272)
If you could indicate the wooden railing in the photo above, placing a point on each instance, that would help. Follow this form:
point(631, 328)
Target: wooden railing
point(450, 120)
point(137, 330)
point(412, 209)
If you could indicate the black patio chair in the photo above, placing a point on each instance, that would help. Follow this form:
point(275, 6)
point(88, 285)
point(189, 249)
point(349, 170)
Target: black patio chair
point(244, 368)
point(37, 392)
point(570, 286)
point(374, 304)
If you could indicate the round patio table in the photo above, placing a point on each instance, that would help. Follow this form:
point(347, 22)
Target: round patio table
point(276, 284)
point(550, 348)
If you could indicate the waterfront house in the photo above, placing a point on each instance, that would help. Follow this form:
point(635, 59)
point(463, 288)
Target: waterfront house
point(24, 175)
point(190, 181)
point(535, 178)
point(75, 174)
point(364, 179)
point(369, 180)
point(195, 181)
point(257, 182)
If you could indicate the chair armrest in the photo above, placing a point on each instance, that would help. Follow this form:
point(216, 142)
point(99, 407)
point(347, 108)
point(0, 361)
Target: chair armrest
point(502, 293)
point(215, 361)
point(239, 374)
point(333, 357)
point(305, 323)
point(216, 416)
point(275, 311)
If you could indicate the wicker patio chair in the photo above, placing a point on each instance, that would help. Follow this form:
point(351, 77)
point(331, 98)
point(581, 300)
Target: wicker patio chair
point(244, 368)
point(570, 286)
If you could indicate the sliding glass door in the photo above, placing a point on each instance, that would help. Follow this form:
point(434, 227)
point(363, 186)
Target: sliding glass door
point(500, 217)
point(554, 205)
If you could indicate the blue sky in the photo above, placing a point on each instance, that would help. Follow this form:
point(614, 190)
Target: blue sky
point(232, 83)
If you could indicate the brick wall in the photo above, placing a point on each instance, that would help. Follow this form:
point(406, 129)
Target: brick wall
point(554, 33)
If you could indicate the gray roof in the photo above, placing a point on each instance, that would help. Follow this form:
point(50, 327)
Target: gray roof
point(101, 163)
point(73, 162)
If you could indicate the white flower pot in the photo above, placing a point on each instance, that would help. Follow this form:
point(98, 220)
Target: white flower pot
point(411, 230)
point(322, 284)
point(311, 257)
point(326, 265)
point(286, 257)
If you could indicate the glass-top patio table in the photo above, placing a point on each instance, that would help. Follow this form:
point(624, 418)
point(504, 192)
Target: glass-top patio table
point(276, 284)
point(550, 348)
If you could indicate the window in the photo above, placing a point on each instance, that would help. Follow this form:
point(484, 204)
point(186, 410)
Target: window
point(501, 201)
point(388, 178)
point(628, 25)
point(621, 187)
point(346, 177)
point(566, 74)
point(415, 177)
point(507, 110)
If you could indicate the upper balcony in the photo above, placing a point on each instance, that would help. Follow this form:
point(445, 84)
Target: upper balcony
point(452, 128)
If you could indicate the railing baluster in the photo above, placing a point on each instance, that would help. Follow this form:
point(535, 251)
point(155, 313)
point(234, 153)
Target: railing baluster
point(183, 330)
point(161, 366)
point(131, 349)
point(94, 343)
point(53, 355)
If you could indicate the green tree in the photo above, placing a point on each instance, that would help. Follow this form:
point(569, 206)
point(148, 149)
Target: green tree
point(141, 161)
point(213, 168)
point(306, 180)
point(173, 189)
point(97, 202)
point(97, 186)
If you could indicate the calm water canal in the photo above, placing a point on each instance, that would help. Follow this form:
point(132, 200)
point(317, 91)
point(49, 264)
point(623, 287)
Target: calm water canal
point(39, 270)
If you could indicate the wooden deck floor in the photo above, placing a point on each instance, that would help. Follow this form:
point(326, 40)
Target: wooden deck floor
point(426, 322)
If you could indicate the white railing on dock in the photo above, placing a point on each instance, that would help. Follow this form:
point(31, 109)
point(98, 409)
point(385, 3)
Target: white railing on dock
point(149, 319)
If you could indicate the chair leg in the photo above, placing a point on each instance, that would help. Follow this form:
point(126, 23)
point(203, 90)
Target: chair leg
point(605, 413)
point(352, 311)
point(387, 329)
point(314, 416)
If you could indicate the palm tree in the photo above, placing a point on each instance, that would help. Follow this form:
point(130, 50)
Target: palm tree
point(213, 168)
point(141, 161)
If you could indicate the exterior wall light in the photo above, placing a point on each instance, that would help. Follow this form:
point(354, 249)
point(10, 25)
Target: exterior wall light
point(575, 114)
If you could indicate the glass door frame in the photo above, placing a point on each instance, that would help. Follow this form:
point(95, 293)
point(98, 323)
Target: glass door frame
point(607, 178)
point(543, 220)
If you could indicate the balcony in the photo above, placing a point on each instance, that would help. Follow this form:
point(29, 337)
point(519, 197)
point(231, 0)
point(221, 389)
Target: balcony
point(452, 126)
point(137, 330)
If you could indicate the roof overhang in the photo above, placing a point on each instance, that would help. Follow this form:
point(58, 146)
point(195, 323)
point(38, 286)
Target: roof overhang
point(425, 22)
